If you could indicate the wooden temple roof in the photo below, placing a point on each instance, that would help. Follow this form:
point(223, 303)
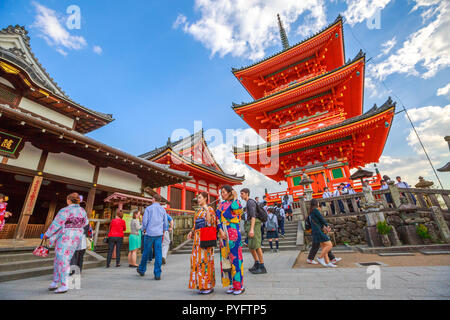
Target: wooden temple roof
point(339, 20)
point(24, 70)
point(374, 111)
point(243, 105)
point(55, 138)
point(176, 148)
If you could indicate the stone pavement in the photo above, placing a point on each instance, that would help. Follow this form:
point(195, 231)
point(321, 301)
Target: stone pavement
point(282, 282)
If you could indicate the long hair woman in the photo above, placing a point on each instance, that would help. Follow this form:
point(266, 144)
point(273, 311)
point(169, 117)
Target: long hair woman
point(65, 233)
point(231, 262)
point(318, 225)
point(134, 241)
point(202, 276)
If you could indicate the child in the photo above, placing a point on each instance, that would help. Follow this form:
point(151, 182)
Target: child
point(3, 213)
point(272, 229)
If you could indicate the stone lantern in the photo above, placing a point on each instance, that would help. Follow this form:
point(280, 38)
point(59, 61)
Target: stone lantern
point(424, 184)
point(306, 183)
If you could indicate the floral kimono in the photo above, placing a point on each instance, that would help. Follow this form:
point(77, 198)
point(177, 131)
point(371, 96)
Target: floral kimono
point(229, 215)
point(202, 275)
point(65, 233)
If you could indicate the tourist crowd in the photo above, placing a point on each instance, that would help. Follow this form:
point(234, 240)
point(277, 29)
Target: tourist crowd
point(225, 226)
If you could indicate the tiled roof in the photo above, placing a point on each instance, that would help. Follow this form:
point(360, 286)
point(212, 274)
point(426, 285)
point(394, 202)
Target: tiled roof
point(16, 56)
point(339, 18)
point(360, 55)
point(373, 111)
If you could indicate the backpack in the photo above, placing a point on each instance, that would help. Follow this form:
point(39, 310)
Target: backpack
point(308, 223)
point(278, 214)
point(271, 225)
point(261, 213)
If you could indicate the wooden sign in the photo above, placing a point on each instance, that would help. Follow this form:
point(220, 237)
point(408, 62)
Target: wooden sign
point(10, 145)
point(33, 193)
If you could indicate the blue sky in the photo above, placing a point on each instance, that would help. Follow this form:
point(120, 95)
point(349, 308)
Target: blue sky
point(161, 65)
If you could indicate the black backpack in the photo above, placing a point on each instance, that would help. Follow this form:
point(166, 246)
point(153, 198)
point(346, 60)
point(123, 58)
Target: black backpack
point(261, 213)
point(308, 223)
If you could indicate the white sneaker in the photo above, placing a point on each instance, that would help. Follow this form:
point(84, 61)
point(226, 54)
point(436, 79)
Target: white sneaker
point(311, 261)
point(322, 262)
point(330, 265)
point(336, 260)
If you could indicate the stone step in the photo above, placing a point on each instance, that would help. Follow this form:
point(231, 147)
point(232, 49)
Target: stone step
point(4, 258)
point(40, 271)
point(32, 263)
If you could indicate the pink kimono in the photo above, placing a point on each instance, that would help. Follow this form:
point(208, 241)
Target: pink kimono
point(65, 233)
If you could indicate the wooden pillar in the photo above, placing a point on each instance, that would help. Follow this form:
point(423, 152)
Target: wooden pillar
point(28, 207)
point(90, 202)
point(51, 212)
point(183, 197)
point(91, 194)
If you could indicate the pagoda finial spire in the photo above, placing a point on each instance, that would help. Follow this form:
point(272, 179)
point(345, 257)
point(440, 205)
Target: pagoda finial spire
point(284, 39)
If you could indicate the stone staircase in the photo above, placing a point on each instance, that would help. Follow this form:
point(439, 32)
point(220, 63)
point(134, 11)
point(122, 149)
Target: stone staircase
point(289, 242)
point(21, 263)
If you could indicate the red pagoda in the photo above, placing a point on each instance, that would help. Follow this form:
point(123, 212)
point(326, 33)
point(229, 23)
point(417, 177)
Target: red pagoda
point(310, 101)
point(193, 155)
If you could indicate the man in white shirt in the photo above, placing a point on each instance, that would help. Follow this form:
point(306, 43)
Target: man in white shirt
point(402, 184)
point(338, 193)
point(327, 194)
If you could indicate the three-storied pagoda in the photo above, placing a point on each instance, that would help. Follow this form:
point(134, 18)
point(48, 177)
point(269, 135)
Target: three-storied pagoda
point(191, 154)
point(310, 101)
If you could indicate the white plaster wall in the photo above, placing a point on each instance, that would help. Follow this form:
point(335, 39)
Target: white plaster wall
point(6, 82)
point(45, 112)
point(66, 165)
point(163, 192)
point(115, 178)
point(28, 158)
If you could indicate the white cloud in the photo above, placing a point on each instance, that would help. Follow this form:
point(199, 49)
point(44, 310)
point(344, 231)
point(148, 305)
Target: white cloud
point(52, 30)
point(254, 180)
point(444, 91)
point(247, 28)
point(428, 48)
point(360, 10)
point(97, 49)
point(388, 45)
point(432, 123)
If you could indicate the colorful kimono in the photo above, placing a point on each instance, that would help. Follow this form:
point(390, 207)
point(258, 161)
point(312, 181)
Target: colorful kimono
point(202, 275)
point(65, 233)
point(229, 215)
point(2, 214)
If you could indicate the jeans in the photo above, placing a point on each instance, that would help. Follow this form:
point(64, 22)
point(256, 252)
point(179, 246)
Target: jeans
point(117, 241)
point(313, 251)
point(281, 226)
point(341, 206)
point(149, 241)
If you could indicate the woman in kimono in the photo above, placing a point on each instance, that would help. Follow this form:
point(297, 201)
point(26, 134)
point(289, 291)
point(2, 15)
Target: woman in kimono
point(65, 233)
point(228, 217)
point(202, 276)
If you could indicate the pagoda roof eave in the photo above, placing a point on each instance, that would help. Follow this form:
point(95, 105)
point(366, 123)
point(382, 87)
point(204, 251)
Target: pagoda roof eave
point(389, 104)
point(358, 57)
point(188, 163)
point(339, 19)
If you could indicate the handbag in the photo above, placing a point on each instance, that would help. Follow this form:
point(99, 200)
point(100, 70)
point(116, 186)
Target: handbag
point(208, 237)
point(41, 251)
